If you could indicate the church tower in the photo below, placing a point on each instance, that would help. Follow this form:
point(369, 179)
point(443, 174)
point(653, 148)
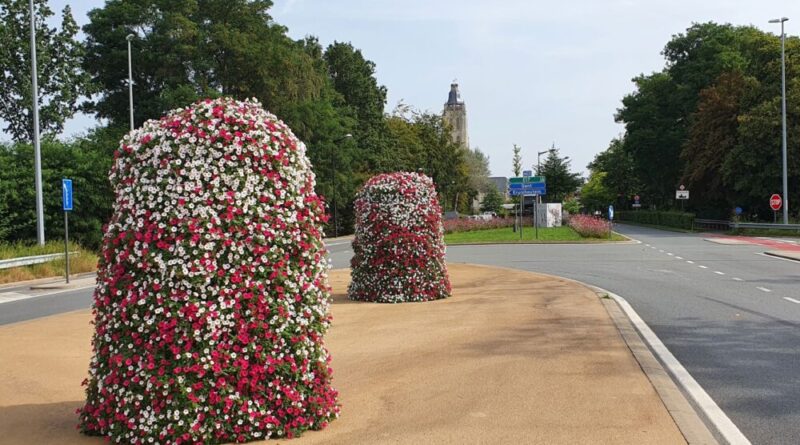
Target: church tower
point(455, 114)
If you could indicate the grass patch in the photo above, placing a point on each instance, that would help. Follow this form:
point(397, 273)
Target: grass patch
point(84, 261)
point(507, 235)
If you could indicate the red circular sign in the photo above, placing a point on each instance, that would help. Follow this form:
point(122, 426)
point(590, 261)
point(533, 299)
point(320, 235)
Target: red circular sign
point(636, 198)
point(775, 202)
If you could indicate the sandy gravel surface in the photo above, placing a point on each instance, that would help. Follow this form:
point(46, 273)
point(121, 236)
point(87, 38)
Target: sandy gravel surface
point(513, 357)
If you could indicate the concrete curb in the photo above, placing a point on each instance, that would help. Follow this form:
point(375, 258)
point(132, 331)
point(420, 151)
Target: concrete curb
point(789, 255)
point(686, 418)
point(44, 281)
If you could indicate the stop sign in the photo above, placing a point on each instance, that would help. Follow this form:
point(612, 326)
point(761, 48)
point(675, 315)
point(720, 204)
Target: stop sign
point(775, 202)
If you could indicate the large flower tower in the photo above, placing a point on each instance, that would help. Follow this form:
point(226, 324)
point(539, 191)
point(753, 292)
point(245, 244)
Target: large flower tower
point(399, 242)
point(212, 297)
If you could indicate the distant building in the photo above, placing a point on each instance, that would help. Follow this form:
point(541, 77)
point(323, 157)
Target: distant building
point(455, 114)
point(501, 182)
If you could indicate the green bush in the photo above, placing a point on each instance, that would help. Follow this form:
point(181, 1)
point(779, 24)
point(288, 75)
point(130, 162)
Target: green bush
point(678, 220)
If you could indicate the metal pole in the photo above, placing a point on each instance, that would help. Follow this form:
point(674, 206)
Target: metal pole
point(130, 77)
point(37, 149)
point(783, 123)
point(335, 219)
point(66, 243)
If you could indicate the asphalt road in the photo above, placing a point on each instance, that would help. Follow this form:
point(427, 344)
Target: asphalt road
point(728, 313)
point(720, 309)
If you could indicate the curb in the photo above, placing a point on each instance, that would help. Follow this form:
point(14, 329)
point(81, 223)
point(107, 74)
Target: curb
point(45, 281)
point(686, 418)
point(794, 256)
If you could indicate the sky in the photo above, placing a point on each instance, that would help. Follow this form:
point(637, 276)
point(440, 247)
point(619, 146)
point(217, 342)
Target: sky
point(531, 72)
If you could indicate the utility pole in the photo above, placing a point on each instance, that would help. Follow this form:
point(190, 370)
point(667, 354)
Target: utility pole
point(783, 119)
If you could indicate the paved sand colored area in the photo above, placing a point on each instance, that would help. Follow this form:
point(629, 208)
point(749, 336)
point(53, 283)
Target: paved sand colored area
point(513, 357)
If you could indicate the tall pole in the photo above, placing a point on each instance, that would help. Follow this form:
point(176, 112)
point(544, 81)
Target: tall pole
point(783, 124)
point(37, 149)
point(783, 119)
point(130, 76)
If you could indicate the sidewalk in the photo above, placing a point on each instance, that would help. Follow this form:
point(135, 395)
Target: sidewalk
point(512, 357)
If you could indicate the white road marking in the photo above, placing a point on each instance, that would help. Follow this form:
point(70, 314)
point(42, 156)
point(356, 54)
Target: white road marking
point(729, 431)
point(719, 273)
point(737, 279)
point(660, 251)
point(670, 254)
point(763, 289)
point(648, 245)
point(791, 299)
point(690, 261)
point(678, 258)
point(703, 267)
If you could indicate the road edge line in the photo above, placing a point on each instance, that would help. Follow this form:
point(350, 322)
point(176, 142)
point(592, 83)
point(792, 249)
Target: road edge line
point(721, 422)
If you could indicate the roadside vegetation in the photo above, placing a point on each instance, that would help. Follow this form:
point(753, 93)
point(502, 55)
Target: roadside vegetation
point(507, 235)
point(83, 261)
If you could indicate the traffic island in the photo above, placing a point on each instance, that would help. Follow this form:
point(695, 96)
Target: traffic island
point(511, 357)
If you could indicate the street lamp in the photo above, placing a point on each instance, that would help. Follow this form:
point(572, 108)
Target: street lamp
point(333, 196)
point(130, 37)
point(37, 149)
point(539, 165)
point(783, 119)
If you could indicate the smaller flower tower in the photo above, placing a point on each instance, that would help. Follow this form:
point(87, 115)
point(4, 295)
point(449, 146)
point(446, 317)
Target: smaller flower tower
point(399, 245)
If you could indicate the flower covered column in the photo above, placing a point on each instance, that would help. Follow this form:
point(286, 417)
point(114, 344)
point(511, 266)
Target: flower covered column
point(212, 295)
point(399, 245)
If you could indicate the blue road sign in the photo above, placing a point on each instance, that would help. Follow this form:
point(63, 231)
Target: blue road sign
point(611, 212)
point(527, 173)
point(738, 210)
point(531, 188)
point(66, 194)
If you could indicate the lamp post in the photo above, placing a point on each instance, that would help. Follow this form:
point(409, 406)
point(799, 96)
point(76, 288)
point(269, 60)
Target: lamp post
point(37, 149)
point(333, 195)
point(539, 164)
point(783, 119)
point(130, 37)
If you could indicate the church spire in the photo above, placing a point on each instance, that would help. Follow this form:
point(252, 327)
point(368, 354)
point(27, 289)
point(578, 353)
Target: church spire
point(455, 114)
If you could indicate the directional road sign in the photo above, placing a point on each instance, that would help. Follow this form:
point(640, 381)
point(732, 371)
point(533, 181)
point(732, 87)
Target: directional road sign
point(66, 194)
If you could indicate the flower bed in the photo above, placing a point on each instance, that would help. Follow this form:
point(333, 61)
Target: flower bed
point(468, 225)
point(589, 226)
point(212, 296)
point(398, 247)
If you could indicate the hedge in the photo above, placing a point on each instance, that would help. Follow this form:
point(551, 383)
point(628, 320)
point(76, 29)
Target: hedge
point(678, 220)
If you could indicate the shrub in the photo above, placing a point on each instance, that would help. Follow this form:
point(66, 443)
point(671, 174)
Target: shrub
point(678, 220)
point(469, 225)
point(399, 245)
point(589, 226)
point(212, 294)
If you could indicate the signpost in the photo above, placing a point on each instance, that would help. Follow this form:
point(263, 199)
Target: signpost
point(527, 185)
point(775, 203)
point(682, 195)
point(636, 203)
point(66, 200)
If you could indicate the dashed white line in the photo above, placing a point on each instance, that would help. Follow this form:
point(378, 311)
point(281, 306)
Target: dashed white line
point(678, 258)
point(719, 273)
point(690, 261)
point(791, 299)
point(764, 289)
point(737, 279)
point(703, 267)
point(670, 254)
point(660, 251)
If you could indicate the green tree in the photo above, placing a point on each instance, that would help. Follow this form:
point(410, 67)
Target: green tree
point(61, 81)
point(516, 161)
point(561, 182)
point(492, 201)
point(184, 50)
point(621, 175)
point(595, 195)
